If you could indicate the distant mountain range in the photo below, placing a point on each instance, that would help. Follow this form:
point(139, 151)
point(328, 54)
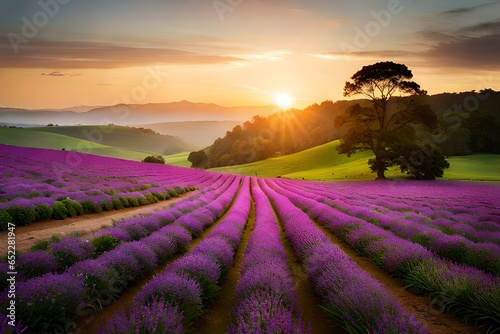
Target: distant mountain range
point(133, 114)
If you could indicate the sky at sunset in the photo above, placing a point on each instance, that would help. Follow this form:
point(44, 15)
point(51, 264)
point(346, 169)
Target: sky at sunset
point(61, 53)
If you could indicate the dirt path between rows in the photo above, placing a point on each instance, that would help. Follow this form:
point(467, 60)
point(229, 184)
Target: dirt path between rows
point(420, 306)
point(217, 317)
point(26, 236)
point(91, 323)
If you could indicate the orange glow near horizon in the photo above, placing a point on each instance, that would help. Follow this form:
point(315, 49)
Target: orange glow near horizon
point(167, 51)
point(284, 101)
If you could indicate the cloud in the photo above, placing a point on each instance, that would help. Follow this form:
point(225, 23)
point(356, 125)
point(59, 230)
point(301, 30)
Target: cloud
point(476, 52)
point(491, 27)
point(466, 10)
point(89, 55)
point(59, 74)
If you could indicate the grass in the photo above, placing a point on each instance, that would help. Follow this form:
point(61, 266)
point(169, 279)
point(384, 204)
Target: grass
point(179, 159)
point(38, 138)
point(119, 136)
point(324, 163)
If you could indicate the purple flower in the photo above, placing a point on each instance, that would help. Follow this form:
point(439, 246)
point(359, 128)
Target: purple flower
point(124, 263)
point(71, 250)
point(201, 268)
point(145, 256)
point(101, 281)
point(264, 312)
point(164, 246)
point(157, 317)
point(176, 289)
point(218, 248)
point(180, 234)
point(55, 297)
point(36, 263)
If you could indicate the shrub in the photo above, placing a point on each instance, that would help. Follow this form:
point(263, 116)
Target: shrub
point(22, 215)
point(125, 202)
point(59, 211)
point(104, 243)
point(156, 317)
point(172, 192)
point(71, 250)
point(43, 212)
point(107, 205)
point(117, 203)
point(177, 289)
point(74, 208)
point(142, 200)
point(101, 281)
point(151, 198)
point(46, 303)
point(89, 206)
point(5, 219)
point(160, 196)
point(134, 202)
point(36, 263)
point(40, 245)
point(156, 159)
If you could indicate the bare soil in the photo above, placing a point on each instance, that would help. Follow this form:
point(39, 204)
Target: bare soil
point(28, 235)
point(90, 324)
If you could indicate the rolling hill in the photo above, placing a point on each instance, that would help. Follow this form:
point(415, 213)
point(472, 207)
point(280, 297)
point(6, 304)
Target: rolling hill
point(324, 163)
point(118, 142)
point(125, 137)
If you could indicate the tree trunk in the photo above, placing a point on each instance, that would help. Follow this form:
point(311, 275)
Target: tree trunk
point(381, 174)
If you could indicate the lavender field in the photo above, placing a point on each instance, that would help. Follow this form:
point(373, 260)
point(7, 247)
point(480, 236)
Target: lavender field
point(241, 239)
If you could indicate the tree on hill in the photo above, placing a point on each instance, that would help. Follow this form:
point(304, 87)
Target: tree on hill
point(198, 159)
point(394, 129)
point(155, 159)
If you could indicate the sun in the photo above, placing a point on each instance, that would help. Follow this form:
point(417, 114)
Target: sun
point(283, 100)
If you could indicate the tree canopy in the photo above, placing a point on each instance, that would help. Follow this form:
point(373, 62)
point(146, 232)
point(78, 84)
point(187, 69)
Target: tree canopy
point(395, 129)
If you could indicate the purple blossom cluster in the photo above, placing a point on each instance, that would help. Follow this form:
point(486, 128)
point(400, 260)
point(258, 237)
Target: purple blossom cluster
point(265, 295)
point(411, 261)
point(36, 263)
point(455, 247)
point(194, 279)
point(350, 295)
point(103, 184)
point(158, 317)
point(47, 301)
point(70, 250)
point(108, 275)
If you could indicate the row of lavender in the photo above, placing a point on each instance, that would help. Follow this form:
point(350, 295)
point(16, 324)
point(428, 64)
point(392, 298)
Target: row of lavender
point(349, 295)
point(265, 297)
point(470, 210)
point(467, 292)
point(46, 303)
point(60, 255)
point(38, 184)
point(173, 299)
point(421, 230)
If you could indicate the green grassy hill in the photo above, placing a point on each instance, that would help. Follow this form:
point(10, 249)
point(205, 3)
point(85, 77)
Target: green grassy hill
point(123, 137)
point(42, 138)
point(324, 163)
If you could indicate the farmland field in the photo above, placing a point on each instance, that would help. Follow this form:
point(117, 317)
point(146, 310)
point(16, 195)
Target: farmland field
point(241, 254)
point(324, 163)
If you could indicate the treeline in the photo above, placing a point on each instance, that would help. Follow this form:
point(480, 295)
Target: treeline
point(468, 123)
point(278, 134)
